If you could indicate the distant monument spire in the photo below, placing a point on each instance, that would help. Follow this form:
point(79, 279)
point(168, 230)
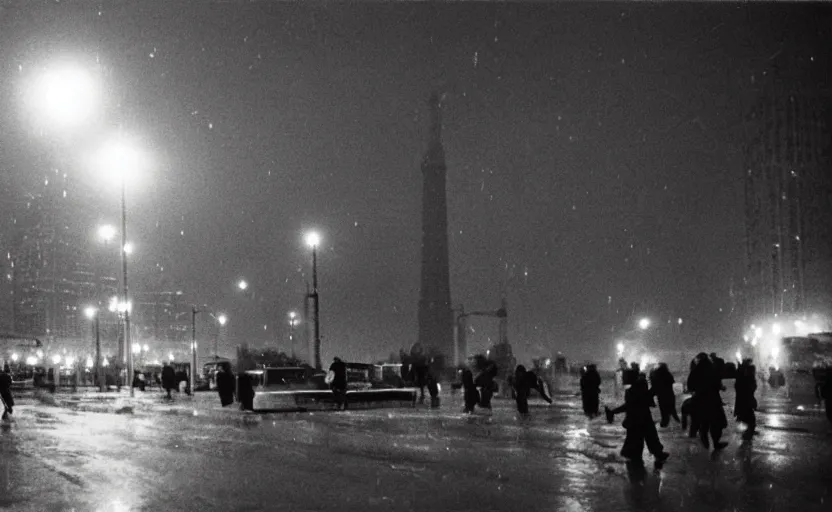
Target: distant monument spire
point(435, 315)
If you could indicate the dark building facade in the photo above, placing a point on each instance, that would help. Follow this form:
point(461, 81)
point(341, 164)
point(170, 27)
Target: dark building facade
point(788, 202)
point(435, 312)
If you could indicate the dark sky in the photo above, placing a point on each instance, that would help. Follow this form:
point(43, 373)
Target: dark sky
point(594, 151)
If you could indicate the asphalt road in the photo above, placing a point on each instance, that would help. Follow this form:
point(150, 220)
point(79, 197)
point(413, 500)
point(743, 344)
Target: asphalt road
point(404, 459)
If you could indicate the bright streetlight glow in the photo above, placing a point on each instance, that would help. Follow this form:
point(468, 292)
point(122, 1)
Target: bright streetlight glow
point(146, 348)
point(15, 357)
point(758, 332)
point(313, 239)
point(128, 248)
point(107, 232)
point(69, 361)
point(644, 323)
point(222, 319)
point(739, 356)
point(754, 342)
point(106, 362)
point(243, 285)
point(775, 351)
point(56, 359)
point(170, 356)
point(120, 160)
point(775, 328)
point(620, 348)
point(122, 307)
point(680, 321)
point(31, 360)
point(90, 312)
point(89, 362)
point(136, 348)
point(64, 96)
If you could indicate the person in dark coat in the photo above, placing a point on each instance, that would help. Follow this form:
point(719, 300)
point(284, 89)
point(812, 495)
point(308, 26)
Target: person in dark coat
point(521, 390)
point(485, 381)
point(339, 382)
point(745, 404)
point(470, 394)
point(590, 390)
point(6, 393)
point(661, 381)
point(168, 379)
point(245, 392)
point(826, 392)
point(706, 385)
point(638, 421)
point(225, 384)
point(433, 389)
point(419, 376)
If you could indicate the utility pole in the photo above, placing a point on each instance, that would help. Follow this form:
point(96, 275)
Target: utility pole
point(318, 364)
point(309, 353)
point(102, 383)
point(194, 311)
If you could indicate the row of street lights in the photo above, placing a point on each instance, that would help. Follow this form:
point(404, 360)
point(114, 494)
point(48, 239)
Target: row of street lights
point(65, 97)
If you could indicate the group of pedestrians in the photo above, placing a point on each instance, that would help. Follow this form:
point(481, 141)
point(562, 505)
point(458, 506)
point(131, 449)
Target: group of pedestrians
point(477, 391)
point(704, 410)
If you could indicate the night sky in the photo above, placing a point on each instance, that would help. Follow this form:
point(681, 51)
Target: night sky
point(594, 154)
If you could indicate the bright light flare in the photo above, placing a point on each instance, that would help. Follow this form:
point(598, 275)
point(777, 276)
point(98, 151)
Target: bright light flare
point(738, 356)
point(64, 96)
point(312, 239)
point(90, 312)
point(136, 348)
point(128, 248)
point(31, 360)
point(56, 359)
point(15, 357)
point(620, 348)
point(222, 319)
point(107, 232)
point(69, 361)
point(89, 362)
point(758, 332)
point(644, 323)
point(775, 329)
point(775, 351)
point(242, 284)
point(120, 160)
point(146, 347)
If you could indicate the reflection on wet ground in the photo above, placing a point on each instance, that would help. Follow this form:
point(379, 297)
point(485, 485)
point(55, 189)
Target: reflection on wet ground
point(408, 459)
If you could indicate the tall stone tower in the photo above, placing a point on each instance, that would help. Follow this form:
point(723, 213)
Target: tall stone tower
point(435, 315)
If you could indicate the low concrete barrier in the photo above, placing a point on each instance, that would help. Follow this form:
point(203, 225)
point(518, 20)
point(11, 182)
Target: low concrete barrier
point(310, 400)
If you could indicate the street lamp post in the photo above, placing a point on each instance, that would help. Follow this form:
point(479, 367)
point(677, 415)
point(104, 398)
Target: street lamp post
point(194, 311)
point(312, 240)
point(222, 319)
point(125, 293)
point(92, 314)
point(292, 322)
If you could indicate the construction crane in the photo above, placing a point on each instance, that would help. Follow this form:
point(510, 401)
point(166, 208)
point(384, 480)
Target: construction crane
point(461, 344)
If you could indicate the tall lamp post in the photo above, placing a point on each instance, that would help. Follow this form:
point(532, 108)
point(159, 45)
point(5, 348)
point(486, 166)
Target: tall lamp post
point(313, 239)
point(121, 159)
point(292, 322)
point(92, 314)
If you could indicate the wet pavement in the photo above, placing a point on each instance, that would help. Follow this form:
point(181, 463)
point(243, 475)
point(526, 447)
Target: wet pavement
point(193, 456)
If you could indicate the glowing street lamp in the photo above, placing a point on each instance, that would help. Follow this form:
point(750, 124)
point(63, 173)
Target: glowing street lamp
point(222, 319)
point(15, 357)
point(313, 239)
point(620, 348)
point(107, 233)
point(293, 320)
point(242, 284)
point(644, 323)
point(121, 159)
point(64, 96)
